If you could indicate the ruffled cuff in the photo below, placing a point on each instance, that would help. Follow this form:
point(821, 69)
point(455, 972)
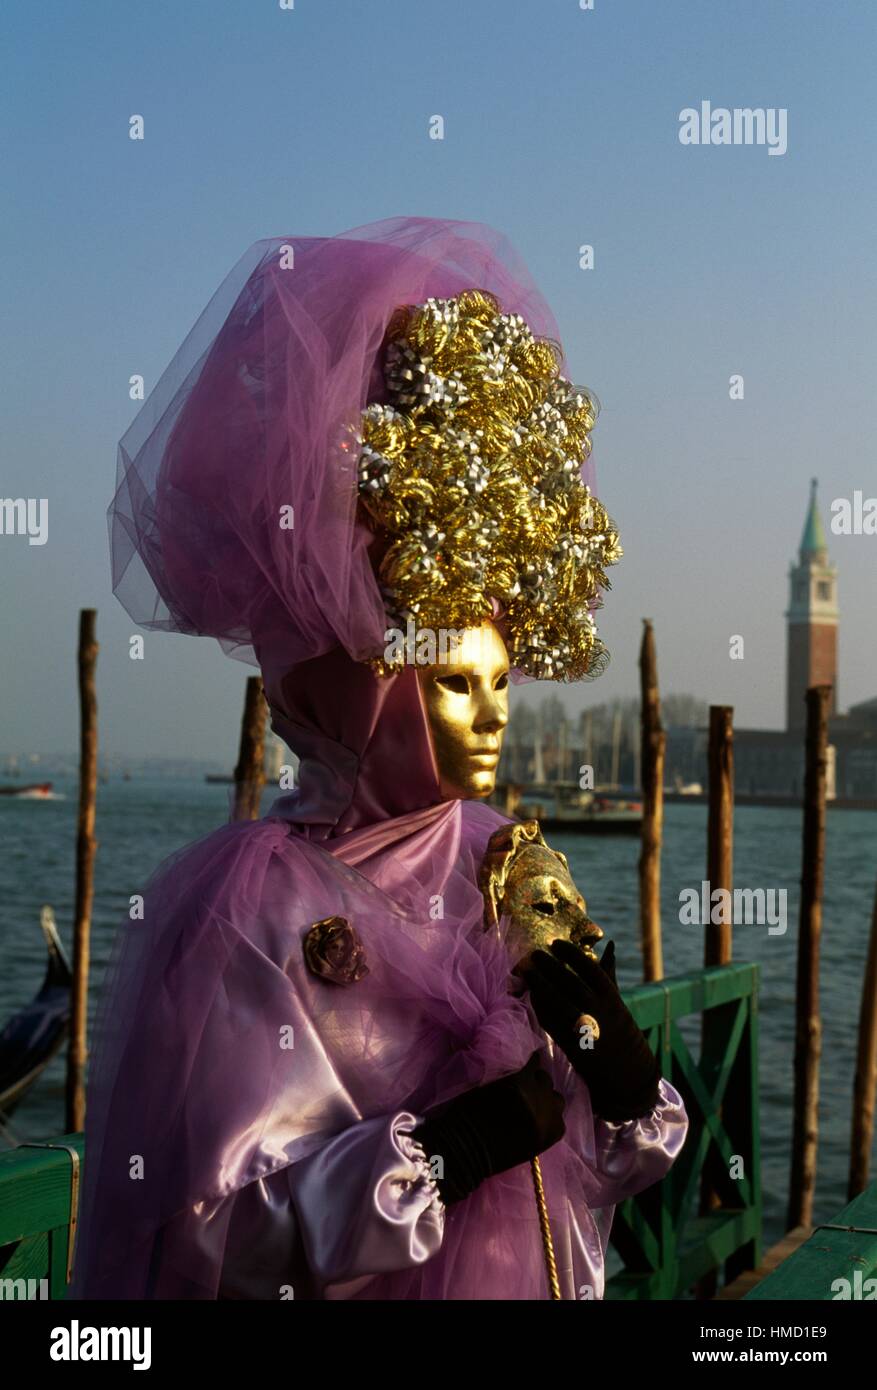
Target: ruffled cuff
point(636, 1153)
point(367, 1204)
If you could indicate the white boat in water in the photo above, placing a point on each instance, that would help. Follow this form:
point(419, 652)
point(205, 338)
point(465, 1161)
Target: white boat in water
point(562, 807)
point(31, 791)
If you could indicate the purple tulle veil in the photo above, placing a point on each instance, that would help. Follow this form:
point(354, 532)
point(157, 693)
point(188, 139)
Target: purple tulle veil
point(254, 414)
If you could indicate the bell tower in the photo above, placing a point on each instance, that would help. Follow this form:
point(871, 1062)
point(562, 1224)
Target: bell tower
point(811, 620)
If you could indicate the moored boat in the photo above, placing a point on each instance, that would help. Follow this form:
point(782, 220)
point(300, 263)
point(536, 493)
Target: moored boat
point(31, 791)
point(564, 806)
point(32, 1037)
point(601, 814)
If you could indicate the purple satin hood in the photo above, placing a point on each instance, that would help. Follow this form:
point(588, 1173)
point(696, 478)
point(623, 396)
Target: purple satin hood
point(362, 740)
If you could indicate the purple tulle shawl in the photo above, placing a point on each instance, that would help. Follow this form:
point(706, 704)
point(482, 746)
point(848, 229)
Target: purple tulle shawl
point(191, 1094)
point(254, 414)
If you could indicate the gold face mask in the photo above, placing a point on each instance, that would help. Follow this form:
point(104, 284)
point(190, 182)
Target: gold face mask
point(467, 706)
point(529, 883)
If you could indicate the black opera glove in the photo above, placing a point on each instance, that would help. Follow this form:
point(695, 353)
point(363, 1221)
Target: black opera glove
point(619, 1069)
point(491, 1128)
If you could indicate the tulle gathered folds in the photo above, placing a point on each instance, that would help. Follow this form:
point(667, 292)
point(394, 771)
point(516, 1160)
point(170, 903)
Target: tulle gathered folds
point(226, 1060)
point(254, 415)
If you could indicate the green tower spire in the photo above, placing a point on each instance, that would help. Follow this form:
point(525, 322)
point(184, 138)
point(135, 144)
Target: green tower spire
point(813, 540)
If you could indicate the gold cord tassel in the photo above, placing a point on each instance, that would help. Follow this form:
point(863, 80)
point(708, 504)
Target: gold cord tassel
point(545, 1227)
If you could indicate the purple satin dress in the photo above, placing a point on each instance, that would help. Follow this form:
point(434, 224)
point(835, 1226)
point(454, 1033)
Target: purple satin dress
point(366, 1205)
point(278, 1171)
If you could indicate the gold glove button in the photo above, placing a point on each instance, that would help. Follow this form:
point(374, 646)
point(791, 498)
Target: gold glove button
point(588, 1029)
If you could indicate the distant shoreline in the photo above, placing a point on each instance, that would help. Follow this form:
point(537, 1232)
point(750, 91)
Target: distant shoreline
point(838, 803)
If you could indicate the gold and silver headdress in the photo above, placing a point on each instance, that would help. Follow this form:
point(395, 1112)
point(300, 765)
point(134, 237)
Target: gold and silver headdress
point(472, 470)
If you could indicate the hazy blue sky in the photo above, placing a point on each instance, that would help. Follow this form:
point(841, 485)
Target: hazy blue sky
point(561, 129)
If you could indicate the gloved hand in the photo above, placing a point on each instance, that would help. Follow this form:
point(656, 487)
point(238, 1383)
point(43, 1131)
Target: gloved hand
point(620, 1069)
point(491, 1128)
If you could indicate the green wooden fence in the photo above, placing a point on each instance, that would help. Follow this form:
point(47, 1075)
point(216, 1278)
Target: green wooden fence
point(839, 1261)
point(665, 1242)
point(39, 1191)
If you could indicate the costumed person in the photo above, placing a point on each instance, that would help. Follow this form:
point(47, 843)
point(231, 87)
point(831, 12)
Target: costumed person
point(363, 1048)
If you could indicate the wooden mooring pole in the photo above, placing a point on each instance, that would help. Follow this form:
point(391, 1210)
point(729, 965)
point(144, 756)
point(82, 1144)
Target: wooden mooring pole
point(86, 846)
point(808, 1025)
point(249, 775)
point(716, 1023)
point(865, 1084)
point(720, 830)
point(652, 748)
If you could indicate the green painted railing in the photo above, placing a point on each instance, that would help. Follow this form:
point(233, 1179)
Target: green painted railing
point(663, 1239)
point(39, 1190)
point(839, 1261)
